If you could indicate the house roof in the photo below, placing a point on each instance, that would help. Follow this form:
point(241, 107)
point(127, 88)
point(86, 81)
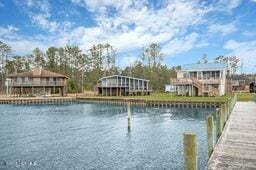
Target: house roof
point(204, 66)
point(41, 73)
point(123, 76)
point(239, 77)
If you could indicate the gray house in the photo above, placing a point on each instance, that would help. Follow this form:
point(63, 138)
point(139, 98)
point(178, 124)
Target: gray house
point(118, 85)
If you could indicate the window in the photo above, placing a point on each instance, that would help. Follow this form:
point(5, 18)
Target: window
point(214, 74)
point(218, 74)
point(26, 80)
point(19, 80)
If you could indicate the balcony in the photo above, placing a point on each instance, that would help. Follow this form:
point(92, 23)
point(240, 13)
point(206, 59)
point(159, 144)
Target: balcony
point(184, 81)
point(44, 83)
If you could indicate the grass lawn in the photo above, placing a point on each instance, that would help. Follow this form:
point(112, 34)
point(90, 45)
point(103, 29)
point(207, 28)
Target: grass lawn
point(172, 97)
point(246, 97)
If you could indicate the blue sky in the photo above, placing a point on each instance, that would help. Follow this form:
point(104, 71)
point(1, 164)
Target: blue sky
point(184, 29)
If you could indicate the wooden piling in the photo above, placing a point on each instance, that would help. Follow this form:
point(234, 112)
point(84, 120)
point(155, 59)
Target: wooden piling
point(190, 151)
point(129, 115)
point(210, 135)
point(219, 122)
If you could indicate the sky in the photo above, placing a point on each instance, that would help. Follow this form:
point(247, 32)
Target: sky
point(184, 29)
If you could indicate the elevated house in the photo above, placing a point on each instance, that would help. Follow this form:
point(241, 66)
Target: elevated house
point(244, 83)
point(240, 83)
point(36, 82)
point(118, 85)
point(204, 79)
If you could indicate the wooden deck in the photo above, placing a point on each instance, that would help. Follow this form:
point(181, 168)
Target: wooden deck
point(236, 148)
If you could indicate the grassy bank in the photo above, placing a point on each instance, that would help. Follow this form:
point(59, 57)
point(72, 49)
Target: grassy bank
point(243, 97)
point(171, 97)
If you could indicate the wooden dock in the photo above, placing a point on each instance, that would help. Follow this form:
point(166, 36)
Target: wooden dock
point(236, 148)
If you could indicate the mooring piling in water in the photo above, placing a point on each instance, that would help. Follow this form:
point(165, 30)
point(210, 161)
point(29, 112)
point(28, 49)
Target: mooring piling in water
point(210, 135)
point(129, 115)
point(190, 151)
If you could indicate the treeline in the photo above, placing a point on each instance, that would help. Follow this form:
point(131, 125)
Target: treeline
point(85, 68)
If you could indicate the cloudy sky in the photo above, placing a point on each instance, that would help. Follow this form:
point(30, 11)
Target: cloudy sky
point(185, 29)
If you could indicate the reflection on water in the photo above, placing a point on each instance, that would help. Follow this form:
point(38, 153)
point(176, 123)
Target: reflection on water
point(95, 136)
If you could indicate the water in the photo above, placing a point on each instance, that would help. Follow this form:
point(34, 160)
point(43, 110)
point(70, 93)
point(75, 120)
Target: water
point(91, 136)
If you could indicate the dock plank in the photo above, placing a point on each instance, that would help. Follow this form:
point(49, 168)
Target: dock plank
point(236, 148)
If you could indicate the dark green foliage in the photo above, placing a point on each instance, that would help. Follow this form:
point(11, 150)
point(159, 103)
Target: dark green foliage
point(72, 86)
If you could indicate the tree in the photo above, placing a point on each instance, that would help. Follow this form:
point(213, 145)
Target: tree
point(52, 59)
point(5, 52)
point(152, 58)
point(102, 63)
point(232, 62)
point(39, 59)
point(152, 55)
point(204, 58)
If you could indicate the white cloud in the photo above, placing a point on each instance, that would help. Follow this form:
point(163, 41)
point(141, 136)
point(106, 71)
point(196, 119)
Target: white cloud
point(222, 28)
point(135, 25)
point(40, 14)
point(248, 33)
point(228, 5)
point(127, 60)
point(1, 5)
point(95, 5)
point(25, 46)
point(186, 43)
point(8, 31)
point(245, 50)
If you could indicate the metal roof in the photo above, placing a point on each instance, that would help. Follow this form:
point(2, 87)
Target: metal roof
point(204, 66)
point(123, 76)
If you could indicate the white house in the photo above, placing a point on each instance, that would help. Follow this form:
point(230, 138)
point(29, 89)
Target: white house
point(204, 79)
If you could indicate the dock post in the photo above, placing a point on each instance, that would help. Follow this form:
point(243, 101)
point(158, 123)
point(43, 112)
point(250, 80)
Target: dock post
point(219, 122)
point(226, 112)
point(210, 135)
point(129, 115)
point(222, 110)
point(228, 108)
point(190, 151)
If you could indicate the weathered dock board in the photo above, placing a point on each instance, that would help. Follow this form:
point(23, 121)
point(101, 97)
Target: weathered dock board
point(236, 148)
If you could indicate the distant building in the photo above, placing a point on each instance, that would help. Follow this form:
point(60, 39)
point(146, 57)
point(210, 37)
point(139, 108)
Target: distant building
point(204, 79)
point(118, 85)
point(240, 83)
point(170, 88)
point(37, 82)
point(244, 83)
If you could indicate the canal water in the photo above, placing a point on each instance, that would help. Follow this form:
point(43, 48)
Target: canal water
point(95, 136)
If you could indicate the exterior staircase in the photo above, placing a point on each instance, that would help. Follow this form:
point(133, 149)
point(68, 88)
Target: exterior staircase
point(202, 88)
point(212, 91)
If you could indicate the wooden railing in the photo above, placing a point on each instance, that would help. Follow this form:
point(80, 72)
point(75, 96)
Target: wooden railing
point(190, 80)
point(31, 83)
